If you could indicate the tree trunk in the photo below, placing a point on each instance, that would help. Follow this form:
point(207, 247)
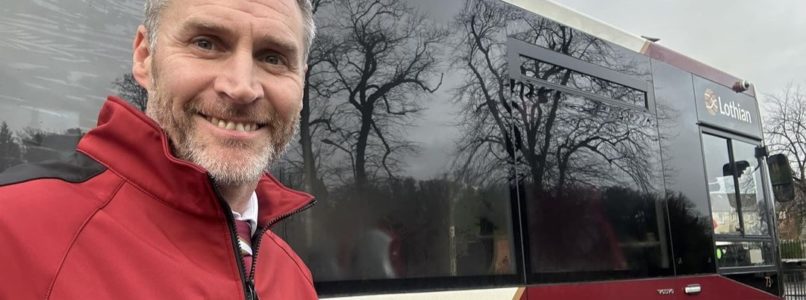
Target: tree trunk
point(361, 149)
point(306, 141)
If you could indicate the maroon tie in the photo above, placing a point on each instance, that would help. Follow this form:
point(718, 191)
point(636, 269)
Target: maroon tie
point(245, 243)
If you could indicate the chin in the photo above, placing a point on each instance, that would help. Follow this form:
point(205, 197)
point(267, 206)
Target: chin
point(232, 165)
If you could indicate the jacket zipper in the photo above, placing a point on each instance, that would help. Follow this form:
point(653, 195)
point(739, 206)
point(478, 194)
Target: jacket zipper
point(265, 228)
point(248, 290)
point(249, 282)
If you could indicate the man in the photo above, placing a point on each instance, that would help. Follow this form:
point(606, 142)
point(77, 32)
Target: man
point(175, 204)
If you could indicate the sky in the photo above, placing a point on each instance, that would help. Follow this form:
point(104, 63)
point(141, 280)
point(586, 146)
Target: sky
point(763, 42)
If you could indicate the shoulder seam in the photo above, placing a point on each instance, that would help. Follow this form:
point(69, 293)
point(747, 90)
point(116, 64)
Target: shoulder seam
point(127, 180)
point(102, 168)
point(77, 234)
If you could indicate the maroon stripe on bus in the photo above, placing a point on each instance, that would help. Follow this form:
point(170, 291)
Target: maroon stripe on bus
point(689, 64)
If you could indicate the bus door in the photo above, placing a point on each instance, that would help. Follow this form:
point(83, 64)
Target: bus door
point(740, 209)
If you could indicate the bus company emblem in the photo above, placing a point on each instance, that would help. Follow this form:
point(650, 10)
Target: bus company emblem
point(711, 102)
point(733, 110)
point(665, 292)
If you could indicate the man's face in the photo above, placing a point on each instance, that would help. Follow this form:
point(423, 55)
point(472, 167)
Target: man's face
point(225, 82)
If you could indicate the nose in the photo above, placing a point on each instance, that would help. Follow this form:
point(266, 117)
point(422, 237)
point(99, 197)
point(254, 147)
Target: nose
point(237, 81)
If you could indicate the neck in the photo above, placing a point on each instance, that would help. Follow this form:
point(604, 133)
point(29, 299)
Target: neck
point(237, 196)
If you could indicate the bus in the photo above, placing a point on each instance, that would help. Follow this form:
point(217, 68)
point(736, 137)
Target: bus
point(467, 149)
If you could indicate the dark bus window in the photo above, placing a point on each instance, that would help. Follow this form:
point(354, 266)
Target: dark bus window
point(408, 228)
point(59, 60)
point(412, 181)
point(593, 196)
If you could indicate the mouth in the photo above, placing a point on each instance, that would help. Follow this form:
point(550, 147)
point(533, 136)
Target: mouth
point(231, 125)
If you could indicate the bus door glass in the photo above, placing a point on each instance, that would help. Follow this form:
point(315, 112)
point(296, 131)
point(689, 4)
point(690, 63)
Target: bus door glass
point(738, 204)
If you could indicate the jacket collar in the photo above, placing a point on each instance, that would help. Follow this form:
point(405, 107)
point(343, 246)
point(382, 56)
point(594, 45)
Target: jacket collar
point(132, 145)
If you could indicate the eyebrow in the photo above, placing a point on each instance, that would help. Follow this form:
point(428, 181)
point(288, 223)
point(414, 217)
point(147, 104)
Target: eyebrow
point(279, 44)
point(196, 25)
point(271, 41)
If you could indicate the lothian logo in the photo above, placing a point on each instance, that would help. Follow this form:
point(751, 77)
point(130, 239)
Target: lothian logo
point(711, 102)
point(733, 110)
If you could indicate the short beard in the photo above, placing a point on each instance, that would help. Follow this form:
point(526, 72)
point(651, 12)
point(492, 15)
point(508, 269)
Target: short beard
point(225, 171)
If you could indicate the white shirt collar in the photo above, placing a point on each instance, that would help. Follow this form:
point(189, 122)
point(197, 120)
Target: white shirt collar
point(249, 214)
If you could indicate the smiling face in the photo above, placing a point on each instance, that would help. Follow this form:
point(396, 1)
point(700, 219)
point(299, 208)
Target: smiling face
point(225, 82)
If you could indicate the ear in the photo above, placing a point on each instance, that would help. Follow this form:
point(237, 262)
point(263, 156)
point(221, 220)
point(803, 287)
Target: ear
point(141, 58)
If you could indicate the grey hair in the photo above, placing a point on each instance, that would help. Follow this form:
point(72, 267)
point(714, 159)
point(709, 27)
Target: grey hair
point(154, 7)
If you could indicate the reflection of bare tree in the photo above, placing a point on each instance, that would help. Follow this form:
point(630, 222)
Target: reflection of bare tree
point(387, 59)
point(313, 117)
point(481, 53)
point(555, 137)
point(131, 91)
point(587, 150)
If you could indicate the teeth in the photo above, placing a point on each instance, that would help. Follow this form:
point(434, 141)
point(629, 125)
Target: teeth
point(230, 125)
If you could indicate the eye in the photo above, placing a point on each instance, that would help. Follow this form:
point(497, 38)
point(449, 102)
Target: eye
point(273, 59)
point(203, 43)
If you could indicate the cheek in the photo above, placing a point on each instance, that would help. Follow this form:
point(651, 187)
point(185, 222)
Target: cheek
point(286, 98)
point(183, 87)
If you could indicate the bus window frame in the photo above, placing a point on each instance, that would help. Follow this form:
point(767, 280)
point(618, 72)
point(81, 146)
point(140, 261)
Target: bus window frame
point(769, 215)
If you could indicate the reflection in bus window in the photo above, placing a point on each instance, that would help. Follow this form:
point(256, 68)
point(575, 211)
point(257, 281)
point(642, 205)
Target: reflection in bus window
point(723, 175)
point(592, 196)
point(737, 203)
point(750, 191)
point(742, 254)
point(58, 62)
point(378, 149)
point(721, 187)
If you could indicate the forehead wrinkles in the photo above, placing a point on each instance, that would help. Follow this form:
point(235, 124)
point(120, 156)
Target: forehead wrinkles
point(278, 10)
point(285, 8)
point(284, 13)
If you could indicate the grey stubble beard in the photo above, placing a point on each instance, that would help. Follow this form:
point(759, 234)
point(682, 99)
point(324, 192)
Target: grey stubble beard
point(225, 171)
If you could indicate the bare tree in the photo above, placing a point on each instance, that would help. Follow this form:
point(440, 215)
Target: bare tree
point(386, 61)
point(555, 137)
point(131, 91)
point(317, 90)
point(785, 126)
point(785, 132)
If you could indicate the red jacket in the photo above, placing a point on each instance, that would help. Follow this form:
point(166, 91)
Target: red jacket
point(124, 219)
